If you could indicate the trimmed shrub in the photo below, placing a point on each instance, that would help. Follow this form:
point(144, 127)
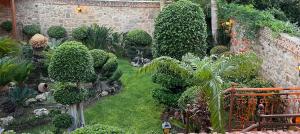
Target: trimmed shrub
point(62, 121)
point(259, 83)
point(71, 62)
point(38, 41)
point(31, 30)
point(57, 32)
point(79, 33)
point(165, 96)
point(218, 50)
point(99, 129)
point(138, 38)
point(110, 66)
point(116, 76)
point(100, 58)
point(69, 94)
point(180, 28)
point(54, 112)
point(6, 25)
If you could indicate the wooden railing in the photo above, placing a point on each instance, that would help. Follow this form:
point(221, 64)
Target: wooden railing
point(262, 108)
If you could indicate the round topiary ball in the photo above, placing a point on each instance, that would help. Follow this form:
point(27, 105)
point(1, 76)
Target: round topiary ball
point(6, 25)
point(71, 62)
point(57, 32)
point(217, 50)
point(180, 28)
point(138, 38)
point(69, 94)
point(79, 33)
point(99, 57)
point(62, 121)
point(31, 30)
point(38, 41)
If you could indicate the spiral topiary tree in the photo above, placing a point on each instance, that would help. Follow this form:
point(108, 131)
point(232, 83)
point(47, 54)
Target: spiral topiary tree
point(180, 28)
point(71, 62)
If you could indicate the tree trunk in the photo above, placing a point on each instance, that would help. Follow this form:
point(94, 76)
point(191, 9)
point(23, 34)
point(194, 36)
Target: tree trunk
point(214, 21)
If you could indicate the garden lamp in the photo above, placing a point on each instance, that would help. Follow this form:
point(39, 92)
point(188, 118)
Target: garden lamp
point(299, 68)
point(78, 9)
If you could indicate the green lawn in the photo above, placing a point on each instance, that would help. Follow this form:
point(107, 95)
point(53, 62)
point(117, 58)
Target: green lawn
point(133, 108)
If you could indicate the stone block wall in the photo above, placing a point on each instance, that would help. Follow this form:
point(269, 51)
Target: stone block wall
point(280, 55)
point(120, 15)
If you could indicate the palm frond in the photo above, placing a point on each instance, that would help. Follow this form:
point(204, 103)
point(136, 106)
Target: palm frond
point(8, 47)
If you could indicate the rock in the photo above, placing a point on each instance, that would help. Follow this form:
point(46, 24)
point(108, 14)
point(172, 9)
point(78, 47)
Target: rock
point(43, 87)
point(30, 101)
point(42, 97)
point(6, 121)
point(40, 112)
point(104, 93)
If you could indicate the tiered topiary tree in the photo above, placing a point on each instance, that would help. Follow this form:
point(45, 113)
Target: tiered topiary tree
point(71, 62)
point(180, 28)
point(138, 42)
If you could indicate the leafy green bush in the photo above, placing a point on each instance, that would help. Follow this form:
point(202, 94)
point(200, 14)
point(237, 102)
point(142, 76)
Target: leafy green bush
point(165, 96)
point(79, 33)
point(180, 28)
point(278, 14)
point(69, 94)
point(110, 66)
point(259, 83)
point(100, 58)
point(218, 50)
point(246, 67)
point(28, 122)
point(31, 30)
point(6, 25)
point(19, 95)
point(138, 38)
point(99, 129)
point(71, 62)
point(188, 96)
point(116, 76)
point(62, 121)
point(291, 8)
point(57, 32)
point(54, 112)
point(98, 37)
point(8, 47)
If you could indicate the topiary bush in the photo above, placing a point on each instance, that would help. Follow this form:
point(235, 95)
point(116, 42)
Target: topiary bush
point(38, 41)
point(69, 94)
point(218, 50)
point(71, 62)
point(138, 38)
point(62, 121)
point(180, 28)
point(31, 30)
point(99, 129)
point(6, 25)
point(110, 66)
point(57, 32)
point(165, 96)
point(100, 58)
point(189, 96)
point(80, 33)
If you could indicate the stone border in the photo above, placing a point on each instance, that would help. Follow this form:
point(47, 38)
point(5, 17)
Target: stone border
point(107, 3)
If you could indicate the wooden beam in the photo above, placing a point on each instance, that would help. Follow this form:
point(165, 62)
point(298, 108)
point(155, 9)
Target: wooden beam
point(13, 19)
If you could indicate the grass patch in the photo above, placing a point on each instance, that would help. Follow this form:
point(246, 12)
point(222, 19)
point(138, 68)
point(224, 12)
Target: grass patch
point(132, 109)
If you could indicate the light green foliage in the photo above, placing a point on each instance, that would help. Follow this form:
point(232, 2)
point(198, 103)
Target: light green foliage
point(116, 76)
point(71, 62)
point(253, 19)
point(62, 121)
point(80, 33)
point(138, 38)
point(100, 58)
point(8, 47)
point(68, 94)
point(165, 96)
point(259, 83)
point(31, 30)
point(99, 129)
point(189, 96)
point(57, 32)
point(218, 50)
point(6, 25)
point(110, 66)
point(246, 67)
point(180, 28)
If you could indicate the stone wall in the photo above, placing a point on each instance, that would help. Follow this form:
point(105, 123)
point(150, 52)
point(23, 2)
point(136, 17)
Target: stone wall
point(120, 15)
point(280, 55)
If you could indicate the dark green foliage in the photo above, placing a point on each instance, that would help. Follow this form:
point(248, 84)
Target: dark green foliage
point(138, 38)
point(165, 96)
point(19, 95)
point(98, 37)
point(218, 50)
point(98, 129)
point(131, 52)
point(180, 28)
point(62, 121)
point(6, 25)
point(69, 94)
point(80, 33)
point(28, 122)
point(57, 32)
point(291, 8)
point(116, 76)
point(100, 58)
point(278, 14)
point(189, 96)
point(71, 62)
point(31, 30)
point(54, 112)
point(259, 4)
point(110, 66)
point(27, 52)
point(259, 83)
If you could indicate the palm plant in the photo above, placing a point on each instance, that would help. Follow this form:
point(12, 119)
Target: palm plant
point(8, 47)
point(7, 67)
point(98, 37)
